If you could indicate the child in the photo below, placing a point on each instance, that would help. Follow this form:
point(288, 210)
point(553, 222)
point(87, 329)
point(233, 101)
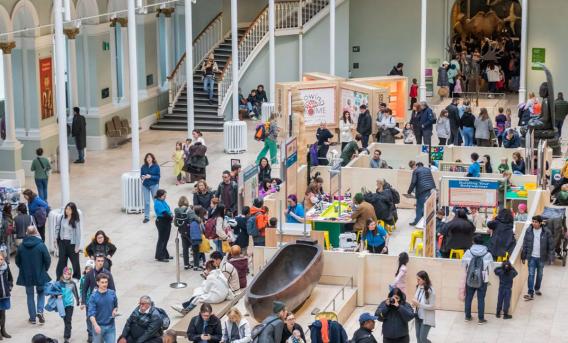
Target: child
point(179, 159)
point(68, 290)
point(506, 274)
point(89, 265)
point(408, 134)
point(413, 93)
point(504, 166)
point(458, 89)
point(500, 125)
point(400, 275)
point(6, 282)
point(296, 337)
point(522, 215)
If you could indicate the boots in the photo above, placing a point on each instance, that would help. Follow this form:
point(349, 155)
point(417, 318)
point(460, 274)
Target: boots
point(3, 332)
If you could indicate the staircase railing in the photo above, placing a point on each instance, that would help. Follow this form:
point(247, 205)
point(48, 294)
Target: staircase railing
point(203, 44)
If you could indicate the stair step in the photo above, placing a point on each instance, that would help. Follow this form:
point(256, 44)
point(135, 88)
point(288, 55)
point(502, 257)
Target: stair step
point(210, 112)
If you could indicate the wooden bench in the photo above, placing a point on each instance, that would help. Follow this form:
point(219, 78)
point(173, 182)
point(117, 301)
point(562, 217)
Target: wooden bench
point(220, 310)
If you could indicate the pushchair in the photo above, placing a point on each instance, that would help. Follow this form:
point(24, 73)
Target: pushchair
point(555, 218)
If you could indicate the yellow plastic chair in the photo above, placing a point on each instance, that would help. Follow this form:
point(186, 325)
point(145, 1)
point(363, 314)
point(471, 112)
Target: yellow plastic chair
point(416, 234)
point(419, 249)
point(327, 245)
point(457, 253)
point(503, 258)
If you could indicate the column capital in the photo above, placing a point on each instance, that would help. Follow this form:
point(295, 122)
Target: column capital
point(123, 22)
point(167, 12)
point(7, 47)
point(71, 33)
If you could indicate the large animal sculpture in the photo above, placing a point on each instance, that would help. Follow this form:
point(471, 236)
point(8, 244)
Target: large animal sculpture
point(481, 25)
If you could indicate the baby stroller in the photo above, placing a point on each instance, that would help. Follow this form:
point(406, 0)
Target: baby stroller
point(555, 218)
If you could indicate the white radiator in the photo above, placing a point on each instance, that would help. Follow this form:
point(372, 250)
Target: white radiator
point(235, 135)
point(52, 222)
point(132, 196)
point(266, 110)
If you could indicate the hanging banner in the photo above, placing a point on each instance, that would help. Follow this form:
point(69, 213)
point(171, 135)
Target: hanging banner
point(46, 87)
point(430, 226)
point(473, 193)
point(319, 106)
point(351, 100)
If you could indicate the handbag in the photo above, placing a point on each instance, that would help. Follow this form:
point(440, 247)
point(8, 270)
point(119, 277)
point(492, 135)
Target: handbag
point(225, 246)
point(204, 246)
point(443, 91)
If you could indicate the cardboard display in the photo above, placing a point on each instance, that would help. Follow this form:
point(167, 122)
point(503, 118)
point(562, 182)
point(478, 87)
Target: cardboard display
point(429, 245)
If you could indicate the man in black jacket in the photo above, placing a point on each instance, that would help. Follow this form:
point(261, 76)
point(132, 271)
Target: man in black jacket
point(422, 184)
point(144, 324)
point(538, 248)
point(205, 327)
point(397, 69)
point(364, 125)
point(454, 116)
point(79, 132)
point(227, 192)
point(365, 332)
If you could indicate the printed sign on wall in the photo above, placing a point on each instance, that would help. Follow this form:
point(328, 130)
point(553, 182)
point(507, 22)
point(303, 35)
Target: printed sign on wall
point(319, 106)
point(351, 100)
point(46, 87)
point(473, 193)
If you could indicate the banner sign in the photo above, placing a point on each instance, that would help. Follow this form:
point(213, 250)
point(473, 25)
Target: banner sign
point(46, 87)
point(319, 106)
point(473, 193)
point(351, 100)
point(430, 226)
point(291, 151)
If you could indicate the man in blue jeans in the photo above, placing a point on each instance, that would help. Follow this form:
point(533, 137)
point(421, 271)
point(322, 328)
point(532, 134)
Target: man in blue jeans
point(477, 255)
point(538, 248)
point(103, 306)
point(33, 260)
point(422, 184)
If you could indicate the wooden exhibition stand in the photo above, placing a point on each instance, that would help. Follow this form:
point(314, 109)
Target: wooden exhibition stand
point(397, 95)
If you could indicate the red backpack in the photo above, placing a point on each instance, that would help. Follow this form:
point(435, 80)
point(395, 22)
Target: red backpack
point(211, 228)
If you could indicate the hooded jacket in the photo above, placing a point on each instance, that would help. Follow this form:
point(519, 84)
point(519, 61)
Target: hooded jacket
point(478, 250)
point(214, 289)
point(395, 320)
point(143, 327)
point(458, 234)
point(503, 237)
point(382, 203)
point(33, 260)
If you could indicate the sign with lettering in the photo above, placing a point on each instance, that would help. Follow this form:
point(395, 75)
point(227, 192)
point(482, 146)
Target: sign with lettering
point(319, 106)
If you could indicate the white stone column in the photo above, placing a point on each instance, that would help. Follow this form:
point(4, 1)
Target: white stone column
point(169, 34)
point(423, 19)
point(332, 37)
point(189, 65)
point(133, 73)
point(524, 38)
point(271, 50)
point(72, 67)
point(9, 91)
point(235, 58)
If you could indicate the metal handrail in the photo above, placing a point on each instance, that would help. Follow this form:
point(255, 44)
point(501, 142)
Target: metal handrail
point(342, 292)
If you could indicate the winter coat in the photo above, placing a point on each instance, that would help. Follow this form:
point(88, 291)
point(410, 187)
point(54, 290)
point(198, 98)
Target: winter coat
point(362, 213)
point(458, 234)
point(365, 124)
point(272, 332)
point(231, 274)
point(422, 181)
point(382, 204)
point(94, 248)
point(443, 127)
point(154, 171)
point(362, 335)
point(33, 260)
point(233, 194)
point(467, 120)
point(241, 232)
point(427, 119)
point(264, 173)
point(244, 331)
point(79, 131)
point(336, 332)
point(478, 250)
point(35, 204)
point(21, 223)
point(213, 328)
point(395, 72)
point(483, 128)
point(503, 237)
point(90, 283)
point(214, 289)
point(442, 77)
point(395, 320)
point(506, 277)
point(197, 157)
point(6, 281)
point(142, 327)
point(512, 143)
point(546, 245)
point(203, 199)
point(241, 265)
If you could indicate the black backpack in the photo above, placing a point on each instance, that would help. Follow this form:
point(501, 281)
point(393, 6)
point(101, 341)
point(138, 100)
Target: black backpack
point(164, 317)
point(474, 278)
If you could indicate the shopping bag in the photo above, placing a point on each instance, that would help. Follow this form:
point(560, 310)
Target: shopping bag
point(226, 246)
point(204, 246)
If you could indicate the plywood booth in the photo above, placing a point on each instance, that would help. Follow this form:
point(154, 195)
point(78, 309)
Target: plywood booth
point(397, 93)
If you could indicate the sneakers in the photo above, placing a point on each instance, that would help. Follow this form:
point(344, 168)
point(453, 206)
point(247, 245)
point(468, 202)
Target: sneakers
point(539, 293)
point(481, 321)
point(498, 315)
point(468, 319)
point(186, 267)
point(40, 318)
point(528, 297)
point(32, 321)
point(177, 308)
point(145, 220)
point(507, 316)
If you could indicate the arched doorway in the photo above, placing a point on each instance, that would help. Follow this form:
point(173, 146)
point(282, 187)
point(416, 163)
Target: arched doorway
point(487, 33)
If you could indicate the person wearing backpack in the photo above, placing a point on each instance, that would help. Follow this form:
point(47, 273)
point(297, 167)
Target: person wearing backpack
point(365, 332)
point(270, 143)
point(257, 222)
point(215, 227)
point(538, 249)
point(272, 327)
point(145, 324)
point(183, 216)
point(477, 261)
point(38, 209)
point(41, 168)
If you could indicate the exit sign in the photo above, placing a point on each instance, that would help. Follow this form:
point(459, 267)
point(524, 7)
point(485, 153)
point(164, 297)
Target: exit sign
point(106, 46)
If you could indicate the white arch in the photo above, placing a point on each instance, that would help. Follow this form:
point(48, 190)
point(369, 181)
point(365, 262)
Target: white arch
point(88, 8)
point(25, 16)
point(5, 24)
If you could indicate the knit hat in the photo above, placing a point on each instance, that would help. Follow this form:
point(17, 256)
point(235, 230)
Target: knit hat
point(90, 263)
point(278, 306)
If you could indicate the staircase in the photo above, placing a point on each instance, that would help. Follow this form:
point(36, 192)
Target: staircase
point(206, 118)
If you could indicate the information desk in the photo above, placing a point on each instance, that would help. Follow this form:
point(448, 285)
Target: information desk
point(328, 219)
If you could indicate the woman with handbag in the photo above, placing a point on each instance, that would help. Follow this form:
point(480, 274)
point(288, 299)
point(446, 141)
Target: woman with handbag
point(41, 168)
point(163, 224)
point(69, 241)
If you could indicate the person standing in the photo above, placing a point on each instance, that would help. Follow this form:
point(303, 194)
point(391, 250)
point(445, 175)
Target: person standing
point(38, 209)
point(483, 128)
point(415, 123)
point(422, 184)
point(6, 285)
point(144, 324)
point(443, 81)
point(413, 94)
point(101, 245)
point(209, 68)
point(427, 120)
point(395, 313)
point(227, 192)
point(202, 195)
point(102, 309)
point(443, 128)
point(150, 175)
point(69, 295)
point(346, 127)
point(69, 240)
point(454, 117)
point(41, 168)
point(474, 169)
point(364, 333)
point(425, 304)
point(323, 136)
point(270, 141)
point(364, 125)
point(467, 125)
point(477, 261)
point(506, 274)
point(79, 132)
point(164, 225)
point(560, 112)
point(538, 249)
point(274, 324)
point(33, 261)
point(21, 222)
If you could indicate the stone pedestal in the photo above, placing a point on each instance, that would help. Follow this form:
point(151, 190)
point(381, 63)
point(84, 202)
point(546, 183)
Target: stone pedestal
point(11, 165)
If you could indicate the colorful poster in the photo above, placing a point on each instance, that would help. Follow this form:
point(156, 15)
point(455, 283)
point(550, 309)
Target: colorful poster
point(351, 100)
point(429, 79)
point(319, 106)
point(473, 193)
point(46, 87)
point(436, 152)
point(291, 151)
point(430, 226)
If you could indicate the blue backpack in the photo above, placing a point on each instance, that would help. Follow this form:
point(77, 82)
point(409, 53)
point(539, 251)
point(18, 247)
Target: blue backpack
point(313, 155)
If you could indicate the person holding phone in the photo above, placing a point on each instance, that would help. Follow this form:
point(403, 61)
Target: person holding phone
point(205, 327)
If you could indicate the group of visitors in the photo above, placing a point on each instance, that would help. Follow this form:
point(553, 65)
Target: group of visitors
point(253, 102)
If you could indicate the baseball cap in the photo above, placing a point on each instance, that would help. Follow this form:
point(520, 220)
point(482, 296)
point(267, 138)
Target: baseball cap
point(366, 317)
